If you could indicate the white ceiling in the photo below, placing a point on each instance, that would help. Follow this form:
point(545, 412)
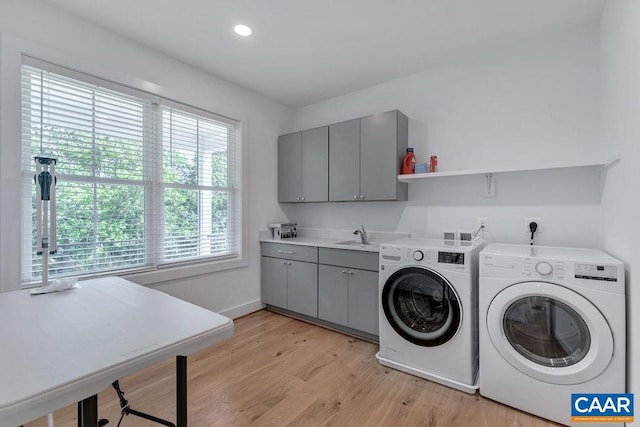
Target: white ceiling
point(305, 51)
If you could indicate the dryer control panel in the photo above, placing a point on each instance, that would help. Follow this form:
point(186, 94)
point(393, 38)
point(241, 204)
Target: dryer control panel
point(608, 273)
point(549, 269)
point(589, 268)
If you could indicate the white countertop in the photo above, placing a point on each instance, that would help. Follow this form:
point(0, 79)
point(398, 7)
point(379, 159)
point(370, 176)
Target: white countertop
point(327, 238)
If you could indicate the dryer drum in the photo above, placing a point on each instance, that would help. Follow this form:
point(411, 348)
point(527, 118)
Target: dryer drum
point(546, 331)
point(421, 306)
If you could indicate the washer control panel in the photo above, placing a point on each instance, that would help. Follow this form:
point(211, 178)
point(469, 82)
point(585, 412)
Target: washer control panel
point(418, 256)
point(451, 260)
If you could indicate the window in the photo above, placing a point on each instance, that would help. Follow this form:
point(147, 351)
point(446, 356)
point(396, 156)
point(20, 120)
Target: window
point(142, 182)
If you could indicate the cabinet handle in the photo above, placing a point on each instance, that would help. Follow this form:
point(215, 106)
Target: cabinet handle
point(301, 198)
point(355, 197)
point(351, 273)
point(362, 196)
point(285, 252)
point(284, 263)
point(288, 263)
point(344, 271)
point(298, 198)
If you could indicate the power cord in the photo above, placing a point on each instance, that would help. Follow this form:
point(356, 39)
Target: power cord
point(474, 235)
point(533, 226)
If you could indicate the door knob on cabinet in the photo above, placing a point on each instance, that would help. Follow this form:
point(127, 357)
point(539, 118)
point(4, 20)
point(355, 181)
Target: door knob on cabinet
point(355, 197)
point(301, 198)
point(362, 196)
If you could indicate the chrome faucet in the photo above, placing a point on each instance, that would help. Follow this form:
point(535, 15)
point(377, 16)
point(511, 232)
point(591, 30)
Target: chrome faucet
point(363, 235)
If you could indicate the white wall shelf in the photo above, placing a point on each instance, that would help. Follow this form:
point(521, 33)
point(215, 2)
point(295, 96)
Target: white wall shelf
point(489, 171)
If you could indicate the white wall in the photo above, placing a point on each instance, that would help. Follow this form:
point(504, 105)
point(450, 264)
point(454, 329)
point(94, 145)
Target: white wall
point(39, 30)
point(620, 86)
point(532, 102)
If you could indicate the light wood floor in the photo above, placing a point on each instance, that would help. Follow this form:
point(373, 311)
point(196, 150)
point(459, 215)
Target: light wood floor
point(278, 371)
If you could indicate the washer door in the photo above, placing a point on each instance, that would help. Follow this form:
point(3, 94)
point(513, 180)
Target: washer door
point(550, 333)
point(421, 306)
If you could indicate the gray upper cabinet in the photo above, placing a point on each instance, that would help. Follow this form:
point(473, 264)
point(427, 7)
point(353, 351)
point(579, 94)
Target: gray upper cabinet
point(383, 143)
point(289, 167)
point(344, 161)
point(357, 160)
point(365, 156)
point(303, 166)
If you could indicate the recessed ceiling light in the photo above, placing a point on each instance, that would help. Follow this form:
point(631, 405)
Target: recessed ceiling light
point(242, 30)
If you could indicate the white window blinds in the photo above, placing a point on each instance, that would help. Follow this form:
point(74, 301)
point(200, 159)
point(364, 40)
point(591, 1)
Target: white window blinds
point(198, 186)
point(142, 182)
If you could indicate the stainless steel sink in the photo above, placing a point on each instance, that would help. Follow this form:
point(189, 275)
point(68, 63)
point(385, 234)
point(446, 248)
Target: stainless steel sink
point(354, 243)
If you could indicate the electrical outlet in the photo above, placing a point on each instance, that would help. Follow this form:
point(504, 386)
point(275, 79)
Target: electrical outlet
point(529, 220)
point(482, 221)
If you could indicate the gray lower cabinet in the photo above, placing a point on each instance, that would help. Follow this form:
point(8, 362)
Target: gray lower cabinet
point(363, 300)
point(302, 288)
point(348, 289)
point(274, 281)
point(348, 297)
point(339, 286)
point(290, 277)
point(333, 294)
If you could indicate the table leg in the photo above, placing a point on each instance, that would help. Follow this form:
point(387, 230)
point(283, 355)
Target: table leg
point(181, 391)
point(88, 412)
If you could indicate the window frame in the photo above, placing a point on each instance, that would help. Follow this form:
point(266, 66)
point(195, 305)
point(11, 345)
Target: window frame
point(159, 270)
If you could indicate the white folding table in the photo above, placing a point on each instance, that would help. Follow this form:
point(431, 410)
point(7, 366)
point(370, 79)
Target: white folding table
point(60, 348)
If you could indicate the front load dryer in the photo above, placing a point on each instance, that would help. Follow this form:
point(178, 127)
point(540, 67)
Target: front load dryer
point(428, 310)
point(552, 323)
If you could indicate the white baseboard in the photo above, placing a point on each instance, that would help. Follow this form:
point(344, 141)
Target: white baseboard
point(242, 309)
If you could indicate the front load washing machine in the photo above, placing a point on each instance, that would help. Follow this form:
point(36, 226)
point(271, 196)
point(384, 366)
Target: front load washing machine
point(552, 323)
point(428, 309)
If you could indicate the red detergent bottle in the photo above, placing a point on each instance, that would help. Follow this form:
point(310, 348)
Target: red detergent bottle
point(408, 163)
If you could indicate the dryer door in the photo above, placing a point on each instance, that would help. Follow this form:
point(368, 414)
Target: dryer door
point(421, 306)
point(550, 333)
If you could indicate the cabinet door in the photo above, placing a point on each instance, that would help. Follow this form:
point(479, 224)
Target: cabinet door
point(363, 301)
point(289, 167)
point(274, 282)
point(333, 294)
point(379, 156)
point(315, 165)
point(344, 161)
point(302, 288)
